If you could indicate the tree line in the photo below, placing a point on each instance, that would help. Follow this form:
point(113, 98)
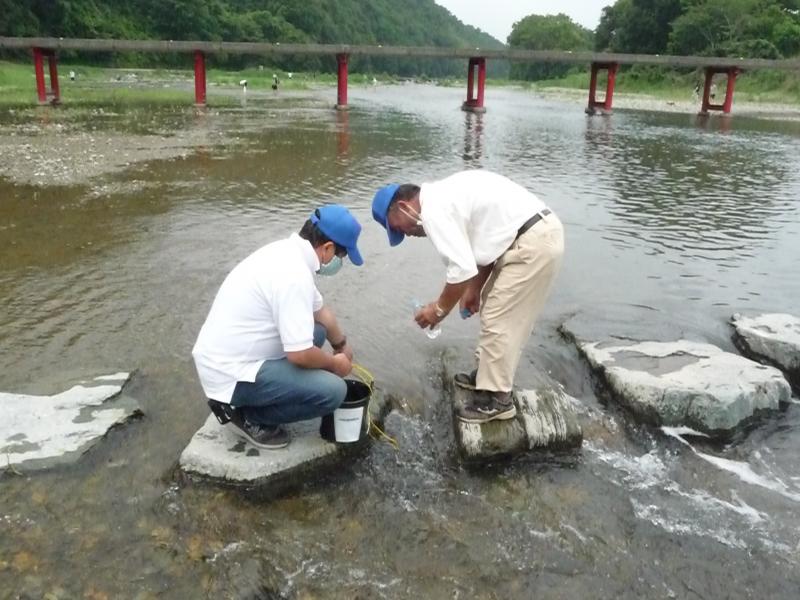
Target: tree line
point(410, 23)
point(740, 28)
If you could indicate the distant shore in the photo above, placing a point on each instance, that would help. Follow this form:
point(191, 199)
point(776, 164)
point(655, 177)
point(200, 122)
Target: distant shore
point(628, 101)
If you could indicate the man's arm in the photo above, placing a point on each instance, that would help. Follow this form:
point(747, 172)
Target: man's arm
point(471, 299)
point(325, 317)
point(314, 358)
point(451, 294)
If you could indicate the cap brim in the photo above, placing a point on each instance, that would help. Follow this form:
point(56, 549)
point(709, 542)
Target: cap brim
point(395, 237)
point(355, 256)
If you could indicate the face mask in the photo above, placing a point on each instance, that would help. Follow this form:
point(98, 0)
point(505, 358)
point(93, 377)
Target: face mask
point(331, 268)
point(418, 230)
point(417, 217)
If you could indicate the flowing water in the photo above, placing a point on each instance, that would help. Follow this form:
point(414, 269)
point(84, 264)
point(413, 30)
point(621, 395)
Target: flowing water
point(672, 225)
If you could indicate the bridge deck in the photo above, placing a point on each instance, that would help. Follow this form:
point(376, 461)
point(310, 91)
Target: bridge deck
point(557, 56)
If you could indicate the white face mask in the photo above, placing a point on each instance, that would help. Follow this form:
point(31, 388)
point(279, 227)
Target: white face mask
point(416, 216)
point(419, 230)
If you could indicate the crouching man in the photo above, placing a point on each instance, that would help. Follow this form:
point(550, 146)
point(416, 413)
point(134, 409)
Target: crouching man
point(259, 353)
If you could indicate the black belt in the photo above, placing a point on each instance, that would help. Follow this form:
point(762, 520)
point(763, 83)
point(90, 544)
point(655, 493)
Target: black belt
point(532, 221)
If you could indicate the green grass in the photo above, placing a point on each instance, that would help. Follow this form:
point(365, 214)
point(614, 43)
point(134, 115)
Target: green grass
point(101, 85)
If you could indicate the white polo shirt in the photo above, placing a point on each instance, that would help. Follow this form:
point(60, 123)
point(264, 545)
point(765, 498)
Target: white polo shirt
point(264, 309)
point(472, 217)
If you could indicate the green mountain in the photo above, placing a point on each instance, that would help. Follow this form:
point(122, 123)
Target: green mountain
point(387, 22)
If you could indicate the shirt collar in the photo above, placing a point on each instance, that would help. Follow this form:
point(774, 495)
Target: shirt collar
point(307, 251)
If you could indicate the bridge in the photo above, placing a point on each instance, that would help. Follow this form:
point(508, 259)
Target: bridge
point(42, 48)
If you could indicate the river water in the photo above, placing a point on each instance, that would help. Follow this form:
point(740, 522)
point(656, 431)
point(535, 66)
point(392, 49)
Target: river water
point(672, 225)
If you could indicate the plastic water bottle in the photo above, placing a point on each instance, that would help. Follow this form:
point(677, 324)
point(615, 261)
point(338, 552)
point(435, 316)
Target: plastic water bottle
point(431, 332)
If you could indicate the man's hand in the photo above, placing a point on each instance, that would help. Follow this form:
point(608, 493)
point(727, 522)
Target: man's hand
point(471, 300)
point(341, 365)
point(426, 317)
point(346, 350)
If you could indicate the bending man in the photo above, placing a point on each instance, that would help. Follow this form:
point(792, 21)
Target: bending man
point(259, 352)
point(503, 248)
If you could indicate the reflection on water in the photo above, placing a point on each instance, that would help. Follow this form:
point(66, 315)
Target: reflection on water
point(717, 198)
point(671, 226)
point(473, 142)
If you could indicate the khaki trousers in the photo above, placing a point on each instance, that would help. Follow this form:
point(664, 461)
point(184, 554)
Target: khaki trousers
point(513, 298)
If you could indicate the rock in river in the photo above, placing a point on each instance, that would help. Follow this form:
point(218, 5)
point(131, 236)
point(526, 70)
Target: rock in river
point(685, 383)
point(545, 419)
point(774, 337)
point(37, 432)
point(216, 452)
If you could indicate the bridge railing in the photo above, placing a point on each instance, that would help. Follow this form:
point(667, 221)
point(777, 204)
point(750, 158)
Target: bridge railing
point(260, 48)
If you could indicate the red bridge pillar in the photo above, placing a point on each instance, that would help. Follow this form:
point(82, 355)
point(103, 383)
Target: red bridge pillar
point(41, 87)
point(199, 78)
point(341, 90)
point(474, 103)
point(605, 105)
point(53, 64)
point(708, 90)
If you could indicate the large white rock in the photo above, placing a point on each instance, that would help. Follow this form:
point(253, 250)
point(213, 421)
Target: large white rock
point(774, 337)
point(545, 419)
point(686, 383)
point(37, 432)
point(217, 452)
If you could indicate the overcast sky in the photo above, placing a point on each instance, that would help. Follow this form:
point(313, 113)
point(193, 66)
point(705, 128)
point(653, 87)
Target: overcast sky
point(497, 16)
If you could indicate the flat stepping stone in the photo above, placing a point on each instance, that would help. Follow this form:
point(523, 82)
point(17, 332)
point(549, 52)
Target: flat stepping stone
point(771, 337)
point(545, 419)
point(216, 452)
point(38, 432)
point(686, 383)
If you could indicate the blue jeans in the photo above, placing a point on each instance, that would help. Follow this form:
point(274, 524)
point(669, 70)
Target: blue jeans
point(285, 393)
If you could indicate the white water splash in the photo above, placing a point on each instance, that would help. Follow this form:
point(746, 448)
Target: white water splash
point(742, 470)
point(642, 472)
point(697, 512)
point(675, 524)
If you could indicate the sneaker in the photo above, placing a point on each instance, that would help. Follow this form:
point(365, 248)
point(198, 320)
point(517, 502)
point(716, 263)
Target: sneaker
point(268, 437)
point(466, 380)
point(488, 406)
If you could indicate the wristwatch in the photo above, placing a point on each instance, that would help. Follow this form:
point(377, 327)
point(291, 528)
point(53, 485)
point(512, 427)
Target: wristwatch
point(439, 311)
point(339, 345)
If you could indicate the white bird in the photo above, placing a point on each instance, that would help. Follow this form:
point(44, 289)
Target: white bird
point(72, 75)
point(243, 83)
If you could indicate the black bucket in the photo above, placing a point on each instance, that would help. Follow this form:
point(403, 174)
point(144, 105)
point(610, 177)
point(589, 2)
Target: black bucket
point(350, 422)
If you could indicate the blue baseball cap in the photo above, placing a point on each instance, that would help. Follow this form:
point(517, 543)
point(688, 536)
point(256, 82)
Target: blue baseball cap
point(380, 208)
point(336, 222)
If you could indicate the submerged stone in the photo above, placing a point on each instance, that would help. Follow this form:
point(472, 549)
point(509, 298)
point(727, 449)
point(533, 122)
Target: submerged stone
point(545, 419)
point(38, 432)
point(686, 383)
point(772, 337)
point(217, 452)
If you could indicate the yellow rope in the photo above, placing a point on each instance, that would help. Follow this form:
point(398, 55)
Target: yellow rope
point(373, 428)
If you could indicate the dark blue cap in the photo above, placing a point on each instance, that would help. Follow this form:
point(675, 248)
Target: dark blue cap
point(380, 208)
point(336, 222)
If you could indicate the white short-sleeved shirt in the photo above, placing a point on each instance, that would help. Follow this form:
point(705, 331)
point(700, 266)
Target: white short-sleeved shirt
point(264, 309)
point(472, 217)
